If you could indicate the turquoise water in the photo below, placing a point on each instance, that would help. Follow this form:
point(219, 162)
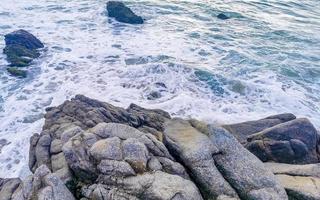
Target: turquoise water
point(264, 60)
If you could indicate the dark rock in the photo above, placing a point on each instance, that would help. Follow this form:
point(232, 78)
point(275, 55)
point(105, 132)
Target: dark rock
point(242, 130)
point(293, 142)
point(223, 16)
point(21, 48)
point(122, 13)
point(115, 157)
point(100, 151)
point(87, 113)
point(3, 143)
point(20, 56)
point(24, 39)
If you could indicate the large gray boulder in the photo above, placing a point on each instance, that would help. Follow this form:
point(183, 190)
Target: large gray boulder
point(301, 187)
point(242, 130)
point(194, 149)
point(293, 142)
point(219, 164)
point(245, 172)
point(302, 182)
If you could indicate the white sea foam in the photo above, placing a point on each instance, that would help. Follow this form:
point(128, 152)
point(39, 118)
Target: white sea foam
point(260, 60)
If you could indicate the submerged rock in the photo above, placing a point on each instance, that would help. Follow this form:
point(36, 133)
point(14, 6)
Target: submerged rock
point(223, 16)
point(122, 13)
point(21, 48)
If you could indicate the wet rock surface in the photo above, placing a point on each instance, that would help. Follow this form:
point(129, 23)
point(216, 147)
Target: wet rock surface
point(21, 48)
point(122, 13)
point(293, 142)
point(89, 149)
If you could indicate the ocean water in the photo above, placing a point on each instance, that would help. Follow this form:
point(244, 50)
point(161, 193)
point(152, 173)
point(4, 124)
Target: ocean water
point(264, 60)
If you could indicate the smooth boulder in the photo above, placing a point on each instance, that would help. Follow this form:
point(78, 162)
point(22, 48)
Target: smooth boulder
point(302, 182)
point(195, 150)
point(122, 13)
point(243, 130)
point(245, 172)
point(293, 142)
point(220, 166)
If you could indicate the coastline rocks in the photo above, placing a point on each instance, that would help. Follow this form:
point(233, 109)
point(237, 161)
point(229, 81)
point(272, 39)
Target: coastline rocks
point(42, 185)
point(245, 172)
point(242, 130)
point(113, 159)
point(300, 187)
point(86, 113)
point(91, 150)
point(294, 142)
point(300, 181)
point(194, 149)
point(21, 48)
point(220, 166)
point(8, 187)
point(122, 13)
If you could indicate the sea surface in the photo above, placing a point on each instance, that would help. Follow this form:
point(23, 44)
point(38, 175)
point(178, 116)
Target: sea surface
point(263, 61)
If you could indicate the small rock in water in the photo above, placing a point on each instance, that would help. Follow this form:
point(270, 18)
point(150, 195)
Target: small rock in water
point(223, 16)
point(154, 95)
point(122, 13)
point(23, 38)
point(3, 142)
point(21, 48)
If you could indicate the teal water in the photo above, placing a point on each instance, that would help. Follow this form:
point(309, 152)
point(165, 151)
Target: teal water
point(264, 60)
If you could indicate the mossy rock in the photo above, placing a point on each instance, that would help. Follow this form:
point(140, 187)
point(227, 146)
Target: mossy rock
point(20, 56)
point(15, 71)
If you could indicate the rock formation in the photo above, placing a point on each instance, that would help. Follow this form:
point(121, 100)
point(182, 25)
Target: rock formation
point(122, 13)
point(21, 48)
point(93, 150)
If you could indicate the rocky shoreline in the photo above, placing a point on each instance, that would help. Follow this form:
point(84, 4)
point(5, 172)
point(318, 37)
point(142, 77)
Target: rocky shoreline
point(93, 150)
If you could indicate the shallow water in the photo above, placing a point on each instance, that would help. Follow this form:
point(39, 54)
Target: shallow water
point(264, 60)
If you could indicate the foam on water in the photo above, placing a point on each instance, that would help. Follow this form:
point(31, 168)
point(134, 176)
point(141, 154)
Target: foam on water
point(263, 61)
